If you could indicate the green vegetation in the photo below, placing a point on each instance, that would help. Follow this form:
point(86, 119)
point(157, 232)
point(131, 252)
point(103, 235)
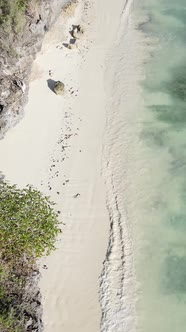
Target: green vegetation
point(12, 14)
point(27, 222)
point(28, 229)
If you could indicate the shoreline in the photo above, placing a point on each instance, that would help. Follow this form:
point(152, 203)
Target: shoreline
point(119, 287)
point(68, 147)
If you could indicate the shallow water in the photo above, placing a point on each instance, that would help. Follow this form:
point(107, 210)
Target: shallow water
point(144, 166)
point(160, 232)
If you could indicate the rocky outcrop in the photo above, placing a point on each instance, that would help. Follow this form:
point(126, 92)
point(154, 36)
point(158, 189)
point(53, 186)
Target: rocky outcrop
point(18, 48)
point(21, 297)
point(31, 309)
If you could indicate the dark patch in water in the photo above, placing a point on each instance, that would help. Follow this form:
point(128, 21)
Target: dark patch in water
point(176, 87)
point(178, 164)
point(178, 221)
point(170, 114)
point(177, 12)
point(154, 136)
point(145, 25)
point(159, 204)
point(175, 275)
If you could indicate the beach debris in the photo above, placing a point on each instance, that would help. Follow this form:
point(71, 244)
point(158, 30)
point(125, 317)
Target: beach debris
point(67, 45)
point(72, 41)
point(77, 31)
point(59, 88)
point(77, 195)
point(71, 44)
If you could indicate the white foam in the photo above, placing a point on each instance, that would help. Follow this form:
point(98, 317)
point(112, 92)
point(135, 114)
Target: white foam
point(118, 289)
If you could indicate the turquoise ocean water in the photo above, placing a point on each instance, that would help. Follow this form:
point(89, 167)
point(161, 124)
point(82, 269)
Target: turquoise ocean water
point(160, 233)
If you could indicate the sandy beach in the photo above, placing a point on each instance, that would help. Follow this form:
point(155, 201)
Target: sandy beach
point(58, 148)
point(110, 153)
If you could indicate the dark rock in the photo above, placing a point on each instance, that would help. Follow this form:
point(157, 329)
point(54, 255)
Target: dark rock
point(1, 108)
point(77, 31)
point(72, 41)
point(77, 195)
point(28, 323)
point(68, 45)
point(59, 88)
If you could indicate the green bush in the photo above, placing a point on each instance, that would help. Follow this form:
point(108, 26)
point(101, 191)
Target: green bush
point(28, 222)
point(28, 229)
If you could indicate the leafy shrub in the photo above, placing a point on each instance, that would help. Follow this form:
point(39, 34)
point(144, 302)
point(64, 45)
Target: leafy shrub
point(28, 223)
point(28, 229)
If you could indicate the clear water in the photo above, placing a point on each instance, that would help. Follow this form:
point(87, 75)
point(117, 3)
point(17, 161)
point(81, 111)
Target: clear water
point(160, 227)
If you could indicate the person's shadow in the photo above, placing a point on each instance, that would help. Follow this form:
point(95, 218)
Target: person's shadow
point(51, 84)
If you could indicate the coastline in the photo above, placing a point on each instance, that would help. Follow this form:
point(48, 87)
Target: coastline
point(134, 153)
point(119, 289)
point(72, 148)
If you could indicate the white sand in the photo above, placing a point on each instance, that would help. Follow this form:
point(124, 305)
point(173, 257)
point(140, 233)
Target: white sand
point(70, 285)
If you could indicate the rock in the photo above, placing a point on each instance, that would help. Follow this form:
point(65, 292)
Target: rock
point(72, 41)
point(77, 31)
point(69, 46)
point(1, 108)
point(29, 323)
point(5, 94)
point(75, 35)
point(59, 88)
point(20, 84)
point(77, 195)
